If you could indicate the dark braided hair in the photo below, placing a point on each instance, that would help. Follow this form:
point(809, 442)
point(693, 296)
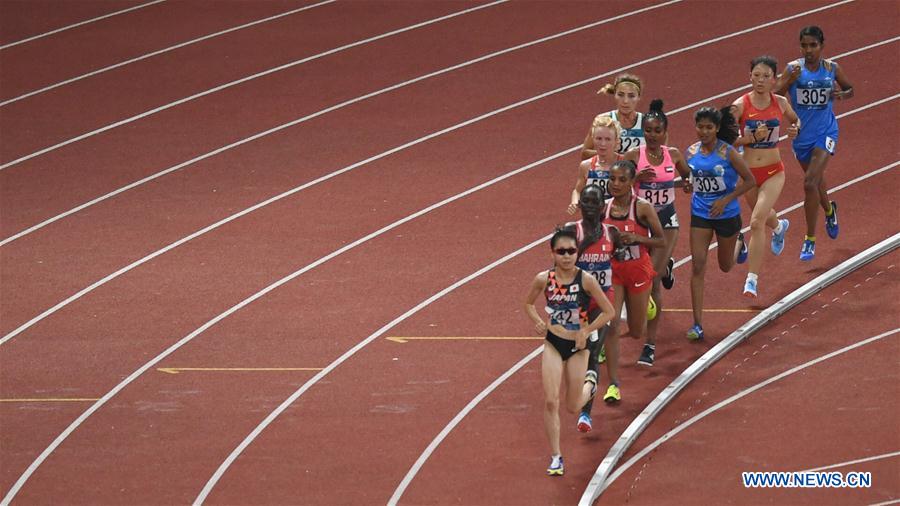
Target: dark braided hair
point(656, 111)
point(628, 165)
point(722, 118)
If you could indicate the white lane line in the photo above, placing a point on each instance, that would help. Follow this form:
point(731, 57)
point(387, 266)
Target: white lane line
point(411, 474)
point(75, 424)
point(887, 503)
point(320, 113)
point(852, 462)
point(248, 210)
point(699, 416)
point(398, 492)
point(159, 52)
point(82, 23)
point(243, 80)
point(338, 172)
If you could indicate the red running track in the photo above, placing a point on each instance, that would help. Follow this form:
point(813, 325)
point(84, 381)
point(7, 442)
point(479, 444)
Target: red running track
point(839, 410)
point(373, 288)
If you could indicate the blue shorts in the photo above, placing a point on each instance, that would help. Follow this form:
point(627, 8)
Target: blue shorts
point(803, 149)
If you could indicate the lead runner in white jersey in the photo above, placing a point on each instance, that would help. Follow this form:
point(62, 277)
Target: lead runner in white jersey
point(626, 90)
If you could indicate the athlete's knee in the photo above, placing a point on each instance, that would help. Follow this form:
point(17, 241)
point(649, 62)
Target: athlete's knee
point(811, 182)
point(551, 405)
point(758, 221)
point(698, 267)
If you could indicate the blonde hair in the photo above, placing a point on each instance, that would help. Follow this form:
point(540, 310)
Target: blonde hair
point(605, 120)
point(610, 88)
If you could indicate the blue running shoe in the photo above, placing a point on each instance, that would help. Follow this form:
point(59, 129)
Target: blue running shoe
point(556, 466)
point(743, 253)
point(696, 333)
point(808, 251)
point(778, 239)
point(831, 222)
point(750, 288)
point(584, 423)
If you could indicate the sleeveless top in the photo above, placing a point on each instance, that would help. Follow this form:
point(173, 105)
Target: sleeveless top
point(811, 96)
point(661, 191)
point(631, 137)
point(752, 118)
point(713, 177)
point(596, 259)
point(567, 304)
point(628, 223)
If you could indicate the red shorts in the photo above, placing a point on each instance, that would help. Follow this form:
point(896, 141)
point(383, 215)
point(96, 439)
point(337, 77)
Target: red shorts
point(763, 173)
point(635, 275)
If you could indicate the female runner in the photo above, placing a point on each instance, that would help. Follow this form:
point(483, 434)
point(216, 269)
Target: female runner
point(656, 183)
point(595, 170)
point(715, 168)
point(568, 292)
point(595, 250)
point(626, 90)
point(637, 230)
point(814, 83)
point(762, 114)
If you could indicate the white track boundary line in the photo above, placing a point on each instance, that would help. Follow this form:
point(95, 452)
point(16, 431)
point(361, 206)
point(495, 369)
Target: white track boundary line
point(886, 503)
point(74, 425)
point(248, 210)
point(602, 478)
point(82, 23)
point(286, 125)
point(159, 52)
point(338, 172)
point(426, 454)
point(852, 462)
point(315, 115)
point(243, 80)
point(699, 416)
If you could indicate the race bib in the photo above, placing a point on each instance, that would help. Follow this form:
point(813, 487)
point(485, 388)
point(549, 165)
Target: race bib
point(628, 143)
point(570, 318)
point(813, 97)
point(709, 184)
point(602, 182)
point(603, 277)
point(659, 197)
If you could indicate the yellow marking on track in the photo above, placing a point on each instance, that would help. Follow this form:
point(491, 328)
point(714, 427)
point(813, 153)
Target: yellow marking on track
point(52, 399)
point(688, 310)
point(177, 370)
point(459, 338)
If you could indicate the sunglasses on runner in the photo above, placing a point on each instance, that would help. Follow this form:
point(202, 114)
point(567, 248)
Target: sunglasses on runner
point(566, 251)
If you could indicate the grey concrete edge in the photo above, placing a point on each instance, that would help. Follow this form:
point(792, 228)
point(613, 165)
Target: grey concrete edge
point(598, 482)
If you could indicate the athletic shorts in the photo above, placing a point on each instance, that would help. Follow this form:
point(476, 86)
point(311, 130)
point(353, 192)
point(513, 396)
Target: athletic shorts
point(565, 347)
point(763, 173)
point(725, 227)
point(803, 150)
point(635, 275)
point(667, 217)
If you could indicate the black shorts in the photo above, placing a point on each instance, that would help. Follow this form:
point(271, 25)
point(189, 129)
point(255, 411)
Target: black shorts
point(565, 347)
point(726, 227)
point(667, 217)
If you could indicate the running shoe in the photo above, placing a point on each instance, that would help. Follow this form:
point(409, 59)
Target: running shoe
point(556, 466)
point(647, 355)
point(750, 288)
point(696, 333)
point(808, 251)
point(744, 252)
point(778, 239)
point(584, 423)
point(831, 222)
point(669, 279)
point(612, 394)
